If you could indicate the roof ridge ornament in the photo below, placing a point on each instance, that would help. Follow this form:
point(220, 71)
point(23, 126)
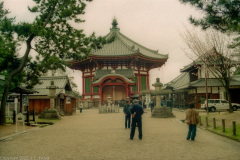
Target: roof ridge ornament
point(114, 25)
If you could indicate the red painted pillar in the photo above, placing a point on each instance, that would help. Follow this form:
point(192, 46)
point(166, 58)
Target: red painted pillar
point(127, 90)
point(113, 96)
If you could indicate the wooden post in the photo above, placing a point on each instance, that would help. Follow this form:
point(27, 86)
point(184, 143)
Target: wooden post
point(234, 127)
point(200, 121)
point(214, 123)
point(206, 121)
point(223, 125)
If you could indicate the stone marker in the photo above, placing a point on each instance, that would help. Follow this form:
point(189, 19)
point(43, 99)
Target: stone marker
point(159, 111)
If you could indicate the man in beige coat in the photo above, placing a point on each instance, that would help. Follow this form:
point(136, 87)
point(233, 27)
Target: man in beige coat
point(192, 118)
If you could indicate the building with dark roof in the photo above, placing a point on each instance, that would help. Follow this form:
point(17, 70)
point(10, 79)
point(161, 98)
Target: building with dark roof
point(65, 103)
point(119, 69)
point(190, 86)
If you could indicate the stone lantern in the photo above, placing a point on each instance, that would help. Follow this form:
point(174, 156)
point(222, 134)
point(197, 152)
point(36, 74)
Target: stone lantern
point(51, 113)
point(159, 111)
point(52, 94)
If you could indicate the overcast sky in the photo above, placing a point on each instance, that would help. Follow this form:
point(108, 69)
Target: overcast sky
point(155, 24)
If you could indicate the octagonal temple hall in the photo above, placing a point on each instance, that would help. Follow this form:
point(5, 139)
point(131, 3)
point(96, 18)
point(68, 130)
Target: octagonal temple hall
point(119, 69)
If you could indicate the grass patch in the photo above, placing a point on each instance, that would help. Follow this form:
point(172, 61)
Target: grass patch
point(228, 126)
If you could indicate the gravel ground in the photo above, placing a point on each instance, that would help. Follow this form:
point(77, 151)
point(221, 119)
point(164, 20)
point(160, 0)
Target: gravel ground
point(90, 136)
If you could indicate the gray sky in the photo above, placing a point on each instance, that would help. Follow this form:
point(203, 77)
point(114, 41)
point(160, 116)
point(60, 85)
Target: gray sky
point(155, 24)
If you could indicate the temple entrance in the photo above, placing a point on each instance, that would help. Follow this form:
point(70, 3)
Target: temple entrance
point(116, 92)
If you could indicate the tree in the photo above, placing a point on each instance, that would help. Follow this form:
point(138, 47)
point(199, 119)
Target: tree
point(53, 35)
point(212, 50)
point(222, 15)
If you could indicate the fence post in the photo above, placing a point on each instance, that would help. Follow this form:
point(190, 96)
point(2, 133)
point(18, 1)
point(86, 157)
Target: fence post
point(234, 127)
point(206, 121)
point(200, 121)
point(223, 125)
point(214, 123)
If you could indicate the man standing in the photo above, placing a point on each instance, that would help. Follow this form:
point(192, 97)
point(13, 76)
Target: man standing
point(192, 121)
point(137, 112)
point(127, 113)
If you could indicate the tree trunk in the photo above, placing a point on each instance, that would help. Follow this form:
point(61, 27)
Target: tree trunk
point(229, 100)
point(10, 78)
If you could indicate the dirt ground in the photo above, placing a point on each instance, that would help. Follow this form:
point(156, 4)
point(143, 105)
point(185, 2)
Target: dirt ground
point(90, 136)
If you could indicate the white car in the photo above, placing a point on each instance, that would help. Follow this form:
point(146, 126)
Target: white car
point(218, 104)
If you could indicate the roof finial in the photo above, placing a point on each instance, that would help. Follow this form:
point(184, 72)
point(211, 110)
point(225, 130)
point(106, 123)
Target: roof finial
point(114, 23)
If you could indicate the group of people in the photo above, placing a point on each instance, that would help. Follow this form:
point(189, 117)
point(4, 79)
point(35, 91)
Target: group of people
point(135, 111)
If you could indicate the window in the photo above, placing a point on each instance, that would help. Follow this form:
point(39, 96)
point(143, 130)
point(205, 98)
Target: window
point(87, 85)
point(95, 89)
point(224, 101)
point(217, 101)
point(143, 83)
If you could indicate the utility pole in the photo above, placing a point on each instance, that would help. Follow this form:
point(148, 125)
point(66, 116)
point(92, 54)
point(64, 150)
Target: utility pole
point(206, 88)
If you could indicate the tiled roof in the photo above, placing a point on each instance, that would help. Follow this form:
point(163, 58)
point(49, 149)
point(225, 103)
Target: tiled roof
point(112, 75)
point(59, 81)
point(128, 73)
point(213, 82)
point(123, 46)
point(181, 82)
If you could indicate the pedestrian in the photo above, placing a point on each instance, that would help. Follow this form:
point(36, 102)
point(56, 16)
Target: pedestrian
point(144, 104)
point(136, 111)
point(127, 113)
point(192, 121)
point(80, 106)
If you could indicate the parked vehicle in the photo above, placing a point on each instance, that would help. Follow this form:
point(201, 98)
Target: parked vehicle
point(218, 104)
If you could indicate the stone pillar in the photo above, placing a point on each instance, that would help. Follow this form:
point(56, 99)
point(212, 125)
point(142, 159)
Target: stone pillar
point(158, 86)
point(158, 111)
point(109, 107)
point(52, 113)
point(52, 94)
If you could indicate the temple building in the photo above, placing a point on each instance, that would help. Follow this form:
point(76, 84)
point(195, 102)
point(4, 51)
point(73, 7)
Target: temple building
point(119, 69)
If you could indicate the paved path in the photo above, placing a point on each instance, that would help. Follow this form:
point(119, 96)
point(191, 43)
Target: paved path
point(91, 136)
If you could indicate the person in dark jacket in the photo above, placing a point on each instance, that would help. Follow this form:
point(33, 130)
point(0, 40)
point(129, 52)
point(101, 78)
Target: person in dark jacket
point(126, 110)
point(136, 112)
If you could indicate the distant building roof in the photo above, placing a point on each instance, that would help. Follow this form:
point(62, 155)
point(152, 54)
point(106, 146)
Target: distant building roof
point(61, 82)
point(123, 46)
point(212, 82)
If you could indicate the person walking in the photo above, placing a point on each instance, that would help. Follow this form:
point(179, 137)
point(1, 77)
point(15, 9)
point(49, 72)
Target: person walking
point(80, 106)
point(136, 111)
point(192, 121)
point(127, 113)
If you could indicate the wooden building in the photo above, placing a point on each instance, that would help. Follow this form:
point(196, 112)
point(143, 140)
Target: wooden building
point(119, 69)
point(190, 86)
point(64, 102)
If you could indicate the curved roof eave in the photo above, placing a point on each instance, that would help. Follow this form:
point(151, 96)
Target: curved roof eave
point(112, 75)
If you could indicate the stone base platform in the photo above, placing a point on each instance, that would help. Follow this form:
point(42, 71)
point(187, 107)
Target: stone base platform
point(162, 112)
